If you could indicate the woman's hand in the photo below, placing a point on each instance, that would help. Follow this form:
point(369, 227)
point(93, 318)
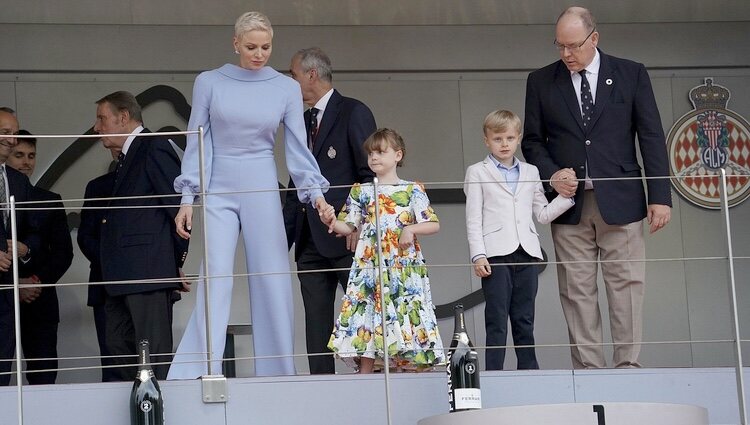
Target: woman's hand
point(184, 221)
point(326, 212)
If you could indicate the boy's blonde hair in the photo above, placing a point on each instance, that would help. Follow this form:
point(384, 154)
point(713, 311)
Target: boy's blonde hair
point(382, 138)
point(502, 120)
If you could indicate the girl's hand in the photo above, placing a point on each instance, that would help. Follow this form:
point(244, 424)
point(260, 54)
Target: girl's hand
point(184, 221)
point(407, 238)
point(482, 267)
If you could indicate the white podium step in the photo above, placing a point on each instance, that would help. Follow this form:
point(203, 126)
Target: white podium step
point(578, 414)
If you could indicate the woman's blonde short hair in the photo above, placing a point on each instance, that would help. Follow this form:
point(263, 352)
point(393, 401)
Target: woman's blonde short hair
point(252, 21)
point(502, 120)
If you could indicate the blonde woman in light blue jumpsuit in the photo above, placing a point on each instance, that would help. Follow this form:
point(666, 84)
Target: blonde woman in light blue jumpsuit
point(240, 109)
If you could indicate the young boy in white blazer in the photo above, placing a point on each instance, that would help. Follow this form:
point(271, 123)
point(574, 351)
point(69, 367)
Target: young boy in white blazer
point(502, 195)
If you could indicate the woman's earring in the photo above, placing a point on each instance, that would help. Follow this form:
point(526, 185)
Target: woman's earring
point(236, 52)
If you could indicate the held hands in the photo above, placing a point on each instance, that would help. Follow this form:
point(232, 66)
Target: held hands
point(658, 216)
point(184, 221)
point(482, 267)
point(565, 182)
point(326, 212)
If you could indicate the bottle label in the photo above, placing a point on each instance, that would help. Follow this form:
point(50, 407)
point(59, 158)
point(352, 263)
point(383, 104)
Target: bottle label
point(468, 398)
point(146, 406)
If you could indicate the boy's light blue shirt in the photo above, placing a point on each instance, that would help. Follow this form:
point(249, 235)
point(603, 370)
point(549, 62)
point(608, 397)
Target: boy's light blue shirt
point(511, 174)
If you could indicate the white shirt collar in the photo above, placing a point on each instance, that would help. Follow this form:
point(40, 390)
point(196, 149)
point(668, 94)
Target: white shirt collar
point(593, 67)
point(130, 139)
point(498, 164)
point(322, 103)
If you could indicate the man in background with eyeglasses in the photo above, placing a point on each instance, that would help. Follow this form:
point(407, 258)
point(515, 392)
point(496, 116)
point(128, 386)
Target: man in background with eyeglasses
point(584, 112)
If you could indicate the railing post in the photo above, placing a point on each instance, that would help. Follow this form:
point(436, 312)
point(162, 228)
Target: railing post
point(206, 274)
point(16, 307)
point(733, 294)
point(381, 285)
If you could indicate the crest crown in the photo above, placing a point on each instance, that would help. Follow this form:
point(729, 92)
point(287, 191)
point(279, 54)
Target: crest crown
point(709, 96)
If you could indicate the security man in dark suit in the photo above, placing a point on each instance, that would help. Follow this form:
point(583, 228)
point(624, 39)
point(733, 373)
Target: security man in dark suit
point(88, 241)
point(40, 312)
point(137, 236)
point(337, 126)
point(12, 183)
point(583, 114)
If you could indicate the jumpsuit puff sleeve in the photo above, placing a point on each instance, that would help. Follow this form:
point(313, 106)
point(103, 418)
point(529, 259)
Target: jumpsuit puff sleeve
point(302, 167)
point(188, 183)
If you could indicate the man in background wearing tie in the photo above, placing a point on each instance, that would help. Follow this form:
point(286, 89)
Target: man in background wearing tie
point(337, 126)
point(12, 183)
point(584, 112)
point(137, 234)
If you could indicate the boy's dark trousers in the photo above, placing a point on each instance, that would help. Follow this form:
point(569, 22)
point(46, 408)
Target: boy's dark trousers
point(510, 292)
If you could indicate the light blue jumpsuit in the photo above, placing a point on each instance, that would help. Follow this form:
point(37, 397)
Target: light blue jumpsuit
point(240, 111)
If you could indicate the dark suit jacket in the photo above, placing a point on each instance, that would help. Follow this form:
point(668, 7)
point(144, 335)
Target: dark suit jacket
point(88, 232)
point(345, 126)
point(141, 243)
point(54, 256)
point(27, 230)
point(554, 137)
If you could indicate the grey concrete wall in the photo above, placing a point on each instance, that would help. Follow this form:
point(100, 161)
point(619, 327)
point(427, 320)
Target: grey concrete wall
point(432, 70)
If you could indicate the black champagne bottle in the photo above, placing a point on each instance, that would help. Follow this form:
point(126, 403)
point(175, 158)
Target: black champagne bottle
point(463, 368)
point(146, 402)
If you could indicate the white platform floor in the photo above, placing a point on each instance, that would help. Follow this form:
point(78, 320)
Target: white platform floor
point(360, 400)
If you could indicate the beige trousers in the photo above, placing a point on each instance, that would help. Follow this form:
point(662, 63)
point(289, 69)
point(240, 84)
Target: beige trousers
point(581, 249)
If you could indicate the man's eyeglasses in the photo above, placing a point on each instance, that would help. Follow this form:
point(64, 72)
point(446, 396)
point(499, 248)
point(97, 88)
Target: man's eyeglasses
point(572, 47)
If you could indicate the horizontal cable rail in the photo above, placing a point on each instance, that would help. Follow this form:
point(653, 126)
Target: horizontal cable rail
point(171, 201)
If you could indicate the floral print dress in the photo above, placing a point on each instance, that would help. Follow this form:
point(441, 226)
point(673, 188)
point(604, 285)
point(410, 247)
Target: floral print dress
point(413, 338)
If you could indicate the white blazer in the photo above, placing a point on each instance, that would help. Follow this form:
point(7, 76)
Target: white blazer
point(498, 220)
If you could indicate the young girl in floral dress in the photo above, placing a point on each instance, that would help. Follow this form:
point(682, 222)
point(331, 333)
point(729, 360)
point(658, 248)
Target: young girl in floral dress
point(413, 339)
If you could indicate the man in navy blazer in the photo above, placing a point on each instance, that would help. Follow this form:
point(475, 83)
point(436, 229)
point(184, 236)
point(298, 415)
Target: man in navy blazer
point(138, 240)
point(40, 312)
point(584, 112)
point(88, 240)
point(335, 135)
point(17, 185)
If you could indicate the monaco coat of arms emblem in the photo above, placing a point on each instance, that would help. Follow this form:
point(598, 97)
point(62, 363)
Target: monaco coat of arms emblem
point(703, 141)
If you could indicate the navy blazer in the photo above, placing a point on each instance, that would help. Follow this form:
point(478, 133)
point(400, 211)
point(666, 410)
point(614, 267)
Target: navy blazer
point(88, 232)
point(554, 137)
point(141, 243)
point(27, 230)
point(54, 256)
point(345, 126)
